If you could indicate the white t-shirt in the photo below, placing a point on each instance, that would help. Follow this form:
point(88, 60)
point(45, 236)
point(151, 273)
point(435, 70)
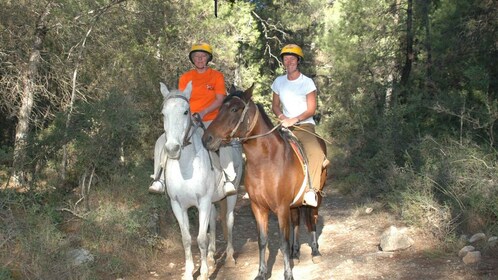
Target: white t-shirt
point(293, 95)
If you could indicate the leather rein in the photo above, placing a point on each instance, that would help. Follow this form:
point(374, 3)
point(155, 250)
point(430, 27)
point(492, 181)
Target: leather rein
point(250, 126)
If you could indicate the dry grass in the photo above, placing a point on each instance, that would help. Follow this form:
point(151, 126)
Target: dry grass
point(35, 234)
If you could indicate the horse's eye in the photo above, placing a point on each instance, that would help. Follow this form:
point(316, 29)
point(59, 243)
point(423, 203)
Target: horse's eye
point(186, 112)
point(234, 109)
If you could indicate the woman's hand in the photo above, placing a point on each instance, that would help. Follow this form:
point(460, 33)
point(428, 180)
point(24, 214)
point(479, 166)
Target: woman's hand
point(288, 122)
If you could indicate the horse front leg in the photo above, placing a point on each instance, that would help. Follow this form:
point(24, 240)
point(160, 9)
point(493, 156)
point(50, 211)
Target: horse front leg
point(202, 240)
point(183, 220)
point(295, 243)
point(283, 223)
point(212, 238)
point(261, 215)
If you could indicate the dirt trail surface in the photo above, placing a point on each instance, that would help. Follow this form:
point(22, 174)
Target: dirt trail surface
point(349, 243)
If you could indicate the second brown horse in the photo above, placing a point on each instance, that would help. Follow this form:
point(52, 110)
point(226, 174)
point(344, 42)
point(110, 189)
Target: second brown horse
point(273, 174)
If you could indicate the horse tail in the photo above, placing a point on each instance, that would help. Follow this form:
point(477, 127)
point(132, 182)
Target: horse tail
point(308, 218)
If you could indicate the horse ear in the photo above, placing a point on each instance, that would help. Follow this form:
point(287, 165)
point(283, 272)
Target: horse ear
point(248, 92)
point(232, 89)
point(164, 90)
point(188, 90)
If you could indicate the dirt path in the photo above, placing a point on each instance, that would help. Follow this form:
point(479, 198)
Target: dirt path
point(349, 242)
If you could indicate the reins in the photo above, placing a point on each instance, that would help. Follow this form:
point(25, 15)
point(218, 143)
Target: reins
point(312, 133)
point(252, 125)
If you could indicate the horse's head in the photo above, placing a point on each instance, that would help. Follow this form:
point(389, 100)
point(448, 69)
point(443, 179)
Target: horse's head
point(232, 119)
point(176, 117)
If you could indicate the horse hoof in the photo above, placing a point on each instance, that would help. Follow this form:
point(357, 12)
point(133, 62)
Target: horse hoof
point(316, 259)
point(188, 277)
point(288, 277)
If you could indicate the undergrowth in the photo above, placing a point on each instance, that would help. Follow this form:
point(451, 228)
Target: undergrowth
point(446, 187)
point(39, 229)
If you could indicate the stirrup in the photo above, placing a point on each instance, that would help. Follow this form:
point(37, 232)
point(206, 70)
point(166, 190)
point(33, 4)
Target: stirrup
point(229, 188)
point(157, 187)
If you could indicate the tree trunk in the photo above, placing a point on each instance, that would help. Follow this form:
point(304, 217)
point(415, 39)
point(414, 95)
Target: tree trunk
point(429, 84)
point(391, 77)
point(29, 75)
point(409, 55)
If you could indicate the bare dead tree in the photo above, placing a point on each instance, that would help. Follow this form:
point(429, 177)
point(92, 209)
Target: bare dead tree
point(268, 29)
point(29, 75)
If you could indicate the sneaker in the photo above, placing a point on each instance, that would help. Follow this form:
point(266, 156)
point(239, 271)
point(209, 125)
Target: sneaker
point(310, 199)
point(229, 188)
point(157, 187)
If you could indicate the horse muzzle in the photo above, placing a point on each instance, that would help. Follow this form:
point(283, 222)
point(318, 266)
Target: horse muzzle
point(173, 151)
point(210, 142)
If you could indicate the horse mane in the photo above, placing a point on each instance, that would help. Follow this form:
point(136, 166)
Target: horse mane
point(268, 121)
point(265, 116)
point(237, 93)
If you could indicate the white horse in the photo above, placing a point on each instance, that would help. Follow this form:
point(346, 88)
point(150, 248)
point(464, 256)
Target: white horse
point(193, 178)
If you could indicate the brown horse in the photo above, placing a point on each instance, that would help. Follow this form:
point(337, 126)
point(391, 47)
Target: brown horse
point(274, 174)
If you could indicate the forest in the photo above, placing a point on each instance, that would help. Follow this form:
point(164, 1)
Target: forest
point(407, 99)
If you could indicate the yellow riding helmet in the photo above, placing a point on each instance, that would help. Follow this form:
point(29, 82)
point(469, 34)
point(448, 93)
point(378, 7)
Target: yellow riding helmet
point(201, 47)
point(292, 49)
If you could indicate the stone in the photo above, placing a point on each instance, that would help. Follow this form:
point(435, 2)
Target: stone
point(465, 250)
point(493, 240)
point(472, 257)
point(393, 240)
point(476, 237)
point(80, 256)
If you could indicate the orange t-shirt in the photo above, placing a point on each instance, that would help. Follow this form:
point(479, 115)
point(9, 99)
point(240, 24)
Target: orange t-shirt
point(205, 87)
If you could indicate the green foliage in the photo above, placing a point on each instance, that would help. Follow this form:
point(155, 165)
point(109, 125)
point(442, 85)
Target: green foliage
point(430, 155)
point(105, 133)
point(450, 95)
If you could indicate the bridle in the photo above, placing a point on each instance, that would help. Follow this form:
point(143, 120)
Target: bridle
point(194, 122)
point(250, 125)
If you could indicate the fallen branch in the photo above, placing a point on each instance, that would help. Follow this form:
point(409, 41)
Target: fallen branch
point(72, 212)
